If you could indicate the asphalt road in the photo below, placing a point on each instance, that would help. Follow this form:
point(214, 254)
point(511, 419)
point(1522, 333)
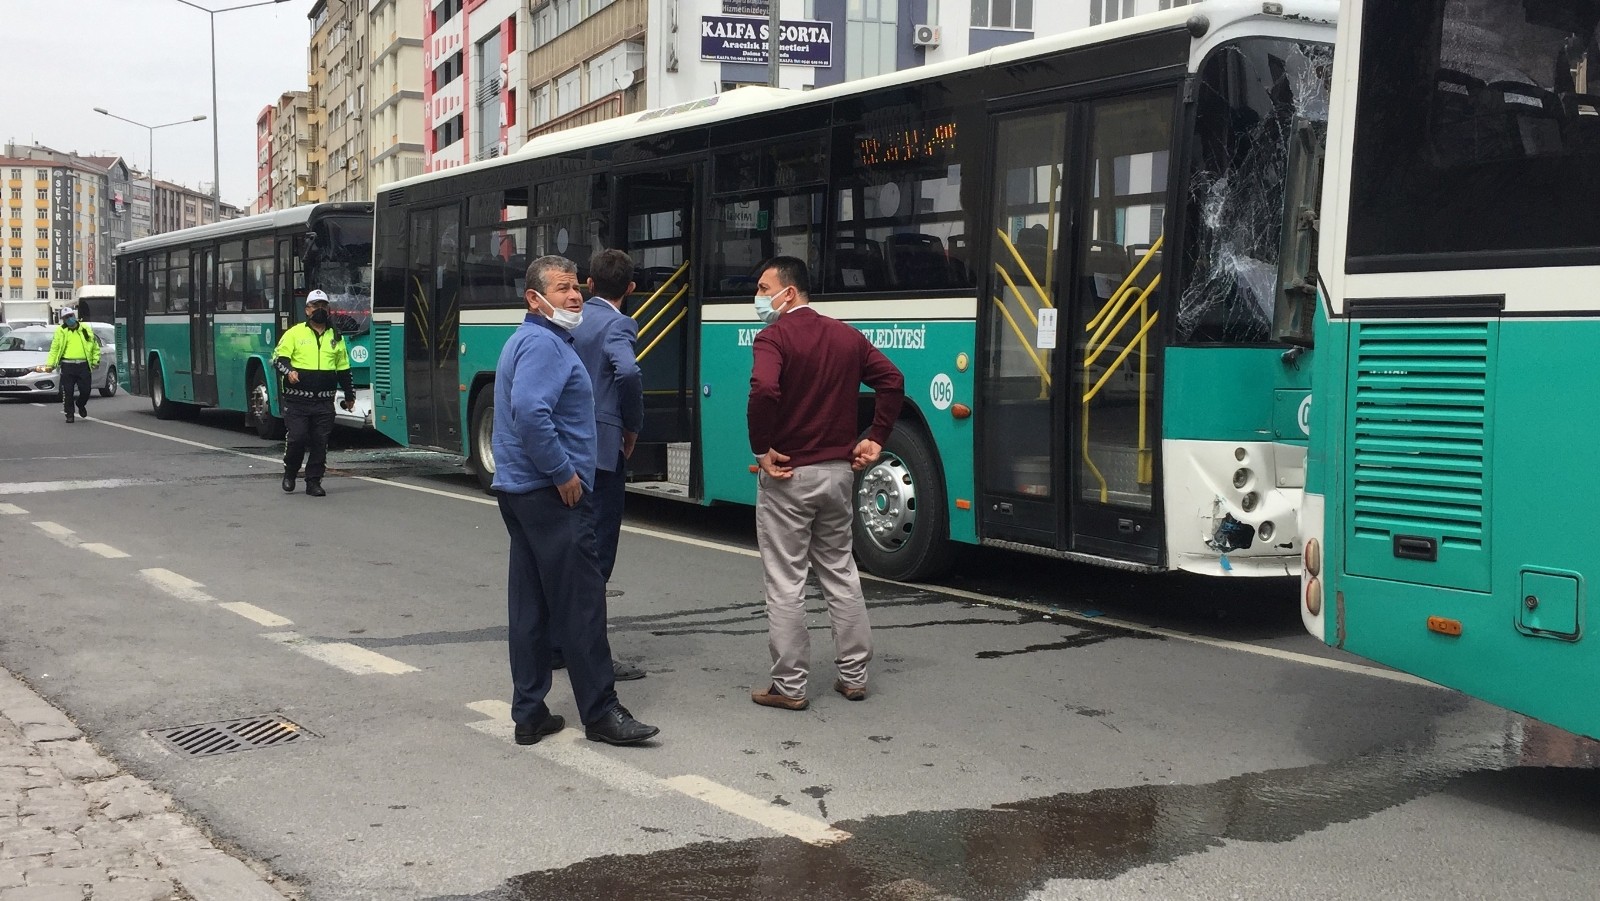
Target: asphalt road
point(1036, 729)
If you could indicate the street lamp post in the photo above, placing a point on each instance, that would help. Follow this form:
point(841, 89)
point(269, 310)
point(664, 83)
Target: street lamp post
point(150, 133)
point(216, 138)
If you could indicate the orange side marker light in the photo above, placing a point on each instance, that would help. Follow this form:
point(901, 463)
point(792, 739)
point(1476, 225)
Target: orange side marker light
point(1451, 627)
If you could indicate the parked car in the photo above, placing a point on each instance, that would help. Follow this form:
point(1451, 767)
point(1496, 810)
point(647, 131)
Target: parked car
point(23, 350)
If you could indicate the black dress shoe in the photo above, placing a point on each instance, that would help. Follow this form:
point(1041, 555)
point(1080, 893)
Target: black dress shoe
point(69, 416)
point(618, 727)
point(83, 412)
point(530, 733)
point(288, 482)
point(315, 489)
point(623, 671)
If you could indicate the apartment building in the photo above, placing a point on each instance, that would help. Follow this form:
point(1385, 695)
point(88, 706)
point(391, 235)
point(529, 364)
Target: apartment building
point(394, 89)
point(340, 63)
point(63, 215)
point(294, 136)
point(473, 80)
point(264, 169)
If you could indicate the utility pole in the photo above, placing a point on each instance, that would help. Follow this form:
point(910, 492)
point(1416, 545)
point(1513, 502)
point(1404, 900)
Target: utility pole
point(772, 42)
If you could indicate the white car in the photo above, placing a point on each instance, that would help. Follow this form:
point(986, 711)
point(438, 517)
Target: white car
point(23, 350)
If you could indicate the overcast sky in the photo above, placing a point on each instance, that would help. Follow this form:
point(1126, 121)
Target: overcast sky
point(150, 61)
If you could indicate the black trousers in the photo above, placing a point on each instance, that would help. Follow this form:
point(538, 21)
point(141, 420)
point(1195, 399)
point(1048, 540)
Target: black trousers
point(555, 597)
point(307, 423)
point(74, 378)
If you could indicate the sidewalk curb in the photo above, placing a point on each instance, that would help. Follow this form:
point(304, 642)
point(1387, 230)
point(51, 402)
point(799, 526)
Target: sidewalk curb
point(69, 815)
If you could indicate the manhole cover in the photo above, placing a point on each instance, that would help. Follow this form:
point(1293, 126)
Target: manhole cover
point(248, 734)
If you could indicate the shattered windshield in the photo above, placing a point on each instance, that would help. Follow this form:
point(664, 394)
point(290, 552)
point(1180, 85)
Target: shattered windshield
point(341, 264)
point(1250, 95)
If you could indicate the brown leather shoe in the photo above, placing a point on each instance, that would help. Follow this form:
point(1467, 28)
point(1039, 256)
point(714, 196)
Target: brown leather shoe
point(850, 692)
point(771, 697)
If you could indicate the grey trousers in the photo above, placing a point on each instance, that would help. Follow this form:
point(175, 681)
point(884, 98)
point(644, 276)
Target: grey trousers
point(806, 520)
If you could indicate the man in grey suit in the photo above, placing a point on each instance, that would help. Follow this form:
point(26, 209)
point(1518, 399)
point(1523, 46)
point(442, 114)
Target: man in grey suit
point(605, 344)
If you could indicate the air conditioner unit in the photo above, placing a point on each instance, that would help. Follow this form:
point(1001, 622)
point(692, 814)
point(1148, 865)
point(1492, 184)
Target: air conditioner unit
point(925, 36)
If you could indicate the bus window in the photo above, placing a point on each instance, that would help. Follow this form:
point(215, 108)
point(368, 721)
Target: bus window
point(156, 301)
point(178, 282)
point(899, 207)
point(1251, 93)
point(495, 265)
point(568, 220)
point(340, 263)
point(260, 280)
point(761, 210)
point(230, 277)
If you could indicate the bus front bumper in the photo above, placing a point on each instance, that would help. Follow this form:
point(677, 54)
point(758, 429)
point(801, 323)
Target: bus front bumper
point(361, 416)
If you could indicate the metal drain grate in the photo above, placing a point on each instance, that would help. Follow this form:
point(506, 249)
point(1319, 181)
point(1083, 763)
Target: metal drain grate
point(248, 734)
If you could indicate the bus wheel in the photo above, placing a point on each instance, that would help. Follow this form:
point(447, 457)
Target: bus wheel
point(109, 389)
point(480, 455)
point(163, 406)
point(901, 528)
point(269, 427)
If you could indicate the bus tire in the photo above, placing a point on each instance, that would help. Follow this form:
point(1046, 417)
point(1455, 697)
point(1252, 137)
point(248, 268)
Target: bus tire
point(902, 529)
point(268, 427)
point(164, 407)
point(109, 389)
point(480, 453)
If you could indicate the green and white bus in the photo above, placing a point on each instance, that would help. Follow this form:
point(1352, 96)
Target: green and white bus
point(1460, 309)
point(199, 311)
point(1069, 246)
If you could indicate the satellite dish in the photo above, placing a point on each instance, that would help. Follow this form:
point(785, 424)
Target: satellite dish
point(625, 80)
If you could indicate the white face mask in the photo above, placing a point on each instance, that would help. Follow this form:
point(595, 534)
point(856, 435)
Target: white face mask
point(567, 319)
point(764, 310)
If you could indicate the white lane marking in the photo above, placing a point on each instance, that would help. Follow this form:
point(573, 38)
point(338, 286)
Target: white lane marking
point(180, 587)
point(563, 749)
point(59, 532)
point(256, 614)
point(11, 510)
point(1224, 644)
point(104, 550)
point(67, 485)
point(778, 819)
point(345, 656)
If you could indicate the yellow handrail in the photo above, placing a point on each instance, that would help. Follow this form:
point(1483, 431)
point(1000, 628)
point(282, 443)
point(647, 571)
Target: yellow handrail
point(1110, 370)
point(1016, 255)
point(1006, 276)
point(1093, 351)
point(657, 293)
point(1022, 338)
point(665, 309)
point(664, 332)
point(1119, 295)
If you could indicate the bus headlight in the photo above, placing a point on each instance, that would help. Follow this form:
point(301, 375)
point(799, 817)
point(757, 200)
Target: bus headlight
point(1248, 502)
point(1241, 477)
point(1266, 530)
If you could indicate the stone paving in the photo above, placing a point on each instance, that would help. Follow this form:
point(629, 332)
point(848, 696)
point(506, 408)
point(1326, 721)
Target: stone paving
point(74, 827)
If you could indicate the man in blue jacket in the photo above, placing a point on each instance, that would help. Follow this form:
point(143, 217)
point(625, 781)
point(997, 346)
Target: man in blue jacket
point(544, 452)
point(605, 344)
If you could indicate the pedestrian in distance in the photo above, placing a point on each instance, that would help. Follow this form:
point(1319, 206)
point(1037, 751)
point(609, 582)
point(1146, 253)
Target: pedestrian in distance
point(804, 383)
point(75, 350)
point(314, 361)
point(544, 453)
point(605, 343)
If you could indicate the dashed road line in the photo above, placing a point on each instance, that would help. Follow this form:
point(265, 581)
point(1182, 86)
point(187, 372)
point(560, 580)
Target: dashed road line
point(180, 587)
point(12, 510)
point(1067, 615)
point(345, 656)
point(68, 485)
point(59, 532)
point(104, 550)
point(563, 749)
point(256, 614)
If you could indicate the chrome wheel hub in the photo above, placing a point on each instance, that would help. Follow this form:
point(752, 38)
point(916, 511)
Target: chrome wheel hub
point(886, 503)
point(486, 444)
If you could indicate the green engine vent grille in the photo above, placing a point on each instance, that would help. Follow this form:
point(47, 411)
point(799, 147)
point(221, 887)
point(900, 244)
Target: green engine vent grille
point(382, 379)
point(1418, 434)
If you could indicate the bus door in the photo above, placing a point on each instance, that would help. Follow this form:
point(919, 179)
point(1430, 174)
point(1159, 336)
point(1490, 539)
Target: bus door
point(433, 317)
point(133, 288)
point(202, 322)
point(1070, 374)
point(655, 226)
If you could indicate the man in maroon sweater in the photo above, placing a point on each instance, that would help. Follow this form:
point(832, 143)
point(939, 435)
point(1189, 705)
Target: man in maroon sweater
point(807, 375)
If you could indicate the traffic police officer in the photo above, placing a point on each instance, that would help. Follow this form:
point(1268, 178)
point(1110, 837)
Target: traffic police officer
point(76, 350)
point(313, 360)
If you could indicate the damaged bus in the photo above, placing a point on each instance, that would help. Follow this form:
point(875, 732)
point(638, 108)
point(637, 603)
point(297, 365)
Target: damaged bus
point(1071, 247)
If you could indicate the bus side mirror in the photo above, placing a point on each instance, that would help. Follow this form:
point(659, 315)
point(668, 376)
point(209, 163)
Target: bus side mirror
point(1295, 304)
